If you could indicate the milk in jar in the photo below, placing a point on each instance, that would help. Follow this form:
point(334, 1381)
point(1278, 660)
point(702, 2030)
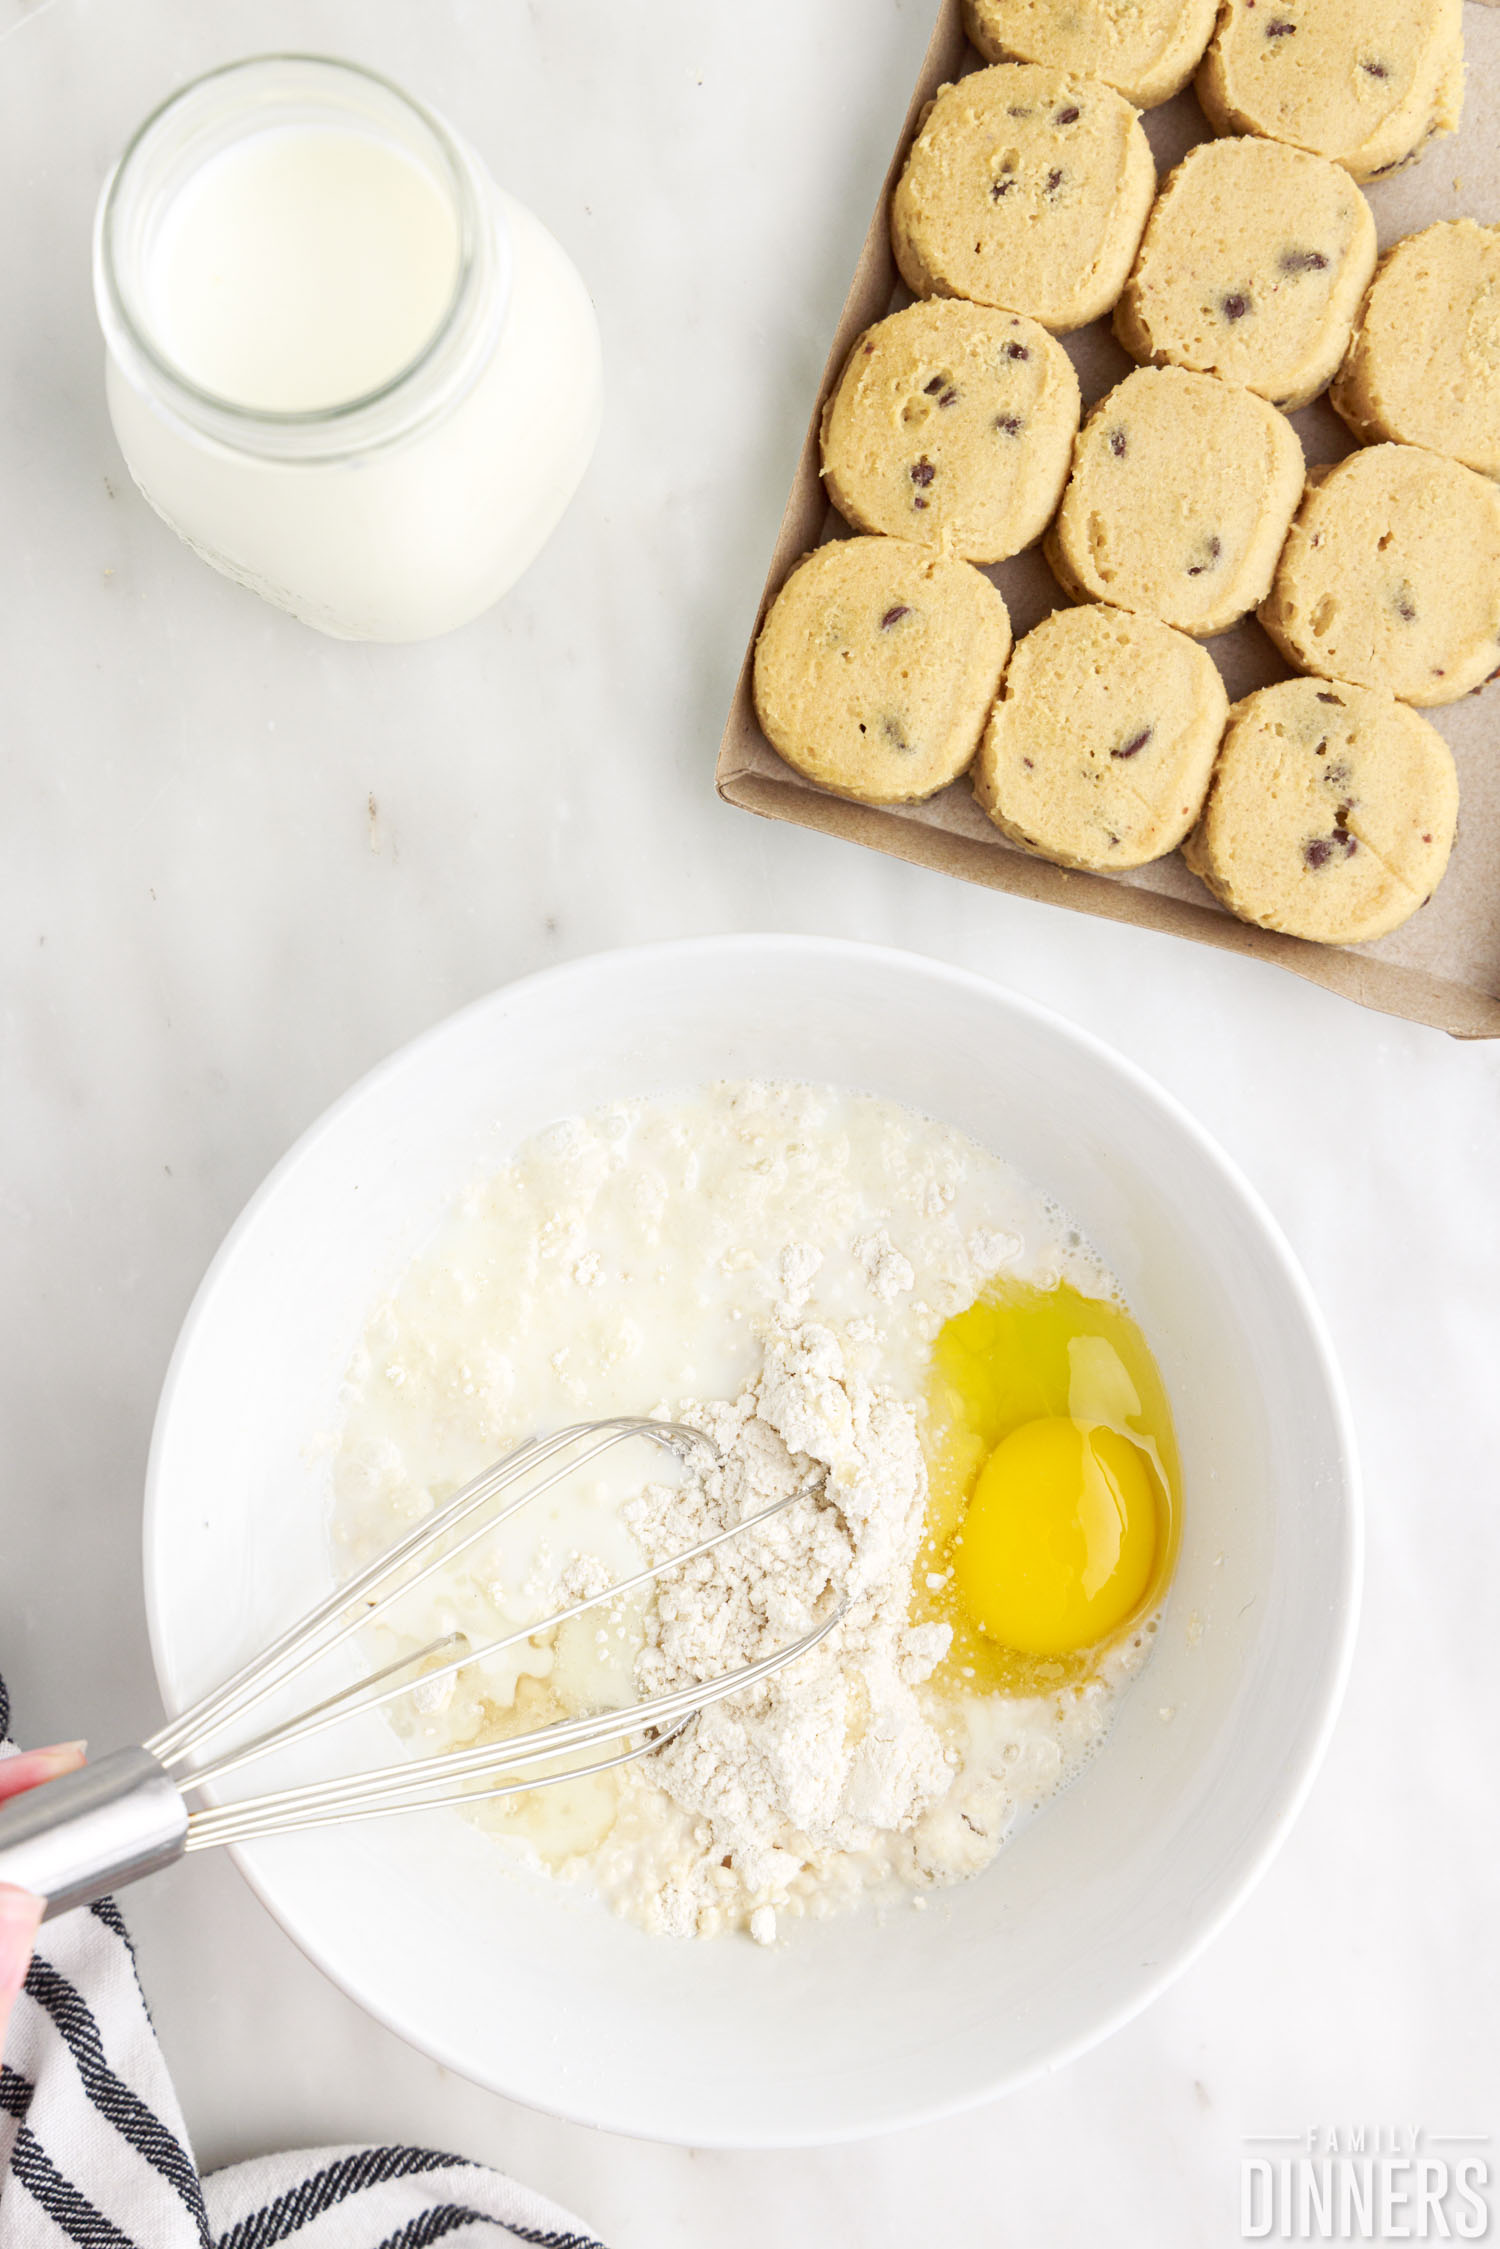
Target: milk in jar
point(348, 369)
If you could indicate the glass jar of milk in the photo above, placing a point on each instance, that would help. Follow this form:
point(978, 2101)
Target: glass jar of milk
point(348, 369)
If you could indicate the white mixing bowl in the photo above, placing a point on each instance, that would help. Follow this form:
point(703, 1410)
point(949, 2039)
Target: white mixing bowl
point(851, 2025)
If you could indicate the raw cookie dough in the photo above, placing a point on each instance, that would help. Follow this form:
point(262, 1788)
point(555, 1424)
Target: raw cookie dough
point(1099, 750)
point(1331, 813)
point(1366, 82)
point(1252, 267)
point(1180, 497)
point(1391, 576)
point(877, 666)
point(953, 425)
point(1146, 49)
point(1424, 366)
point(1025, 188)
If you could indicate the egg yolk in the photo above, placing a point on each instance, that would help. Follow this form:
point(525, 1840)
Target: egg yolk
point(1059, 1541)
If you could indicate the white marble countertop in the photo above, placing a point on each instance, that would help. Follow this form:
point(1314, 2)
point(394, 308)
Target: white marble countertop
point(242, 863)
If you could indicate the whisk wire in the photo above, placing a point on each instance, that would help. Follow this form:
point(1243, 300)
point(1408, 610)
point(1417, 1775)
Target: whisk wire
point(200, 1839)
point(406, 1786)
point(304, 1640)
point(354, 1698)
point(332, 1622)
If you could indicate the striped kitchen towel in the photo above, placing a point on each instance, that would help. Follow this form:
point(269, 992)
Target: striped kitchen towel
point(93, 2149)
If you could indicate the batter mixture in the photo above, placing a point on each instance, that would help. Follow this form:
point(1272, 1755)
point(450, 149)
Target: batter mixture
point(772, 1264)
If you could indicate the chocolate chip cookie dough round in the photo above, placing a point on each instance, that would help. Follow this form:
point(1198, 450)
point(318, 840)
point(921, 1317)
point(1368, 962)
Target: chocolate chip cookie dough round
point(1099, 750)
point(1181, 493)
point(952, 424)
point(1424, 366)
point(877, 666)
point(1390, 576)
point(1331, 812)
point(1025, 188)
point(1366, 82)
point(1146, 49)
point(1252, 266)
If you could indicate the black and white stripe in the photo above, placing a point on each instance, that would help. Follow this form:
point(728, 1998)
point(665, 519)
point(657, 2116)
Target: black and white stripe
point(94, 2152)
point(379, 2198)
point(317, 2191)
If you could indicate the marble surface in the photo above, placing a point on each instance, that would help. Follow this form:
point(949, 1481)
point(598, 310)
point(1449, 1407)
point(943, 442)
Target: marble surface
point(241, 863)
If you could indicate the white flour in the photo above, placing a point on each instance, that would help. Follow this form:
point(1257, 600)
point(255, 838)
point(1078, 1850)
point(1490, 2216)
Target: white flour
point(836, 1750)
point(787, 1255)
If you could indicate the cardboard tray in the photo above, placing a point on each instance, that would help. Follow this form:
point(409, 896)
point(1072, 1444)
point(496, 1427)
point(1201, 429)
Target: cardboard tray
point(1443, 967)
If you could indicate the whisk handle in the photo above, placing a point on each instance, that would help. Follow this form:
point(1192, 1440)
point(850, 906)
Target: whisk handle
point(75, 1839)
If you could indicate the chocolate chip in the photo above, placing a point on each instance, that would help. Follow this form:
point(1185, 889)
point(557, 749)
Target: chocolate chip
point(1325, 697)
point(1375, 69)
point(1406, 608)
point(949, 398)
point(894, 735)
point(1017, 110)
point(1302, 261)
point(1114, 839)
point(1010, 423)
point(868, 349)
point(1426, 839)
point(1117, 443)
point(1018, 351)
point(922, 472)
point(931, 389)
point(1067, 117)
point(1212, 550)
point(1137, 742)
point(1001, 187)
point(1279, 28)
point(1322, 848)
point(1030, 765)
point(1054, 182)
point(919, 503)
point(1236, 306)
point(894, 616)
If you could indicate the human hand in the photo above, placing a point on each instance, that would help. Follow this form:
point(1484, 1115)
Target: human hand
point(20, 1912)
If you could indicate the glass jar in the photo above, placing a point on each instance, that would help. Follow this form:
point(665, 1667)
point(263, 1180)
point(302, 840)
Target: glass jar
point(384, 454)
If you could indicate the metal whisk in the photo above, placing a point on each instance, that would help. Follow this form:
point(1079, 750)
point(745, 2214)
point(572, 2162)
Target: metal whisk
point(126, 1815)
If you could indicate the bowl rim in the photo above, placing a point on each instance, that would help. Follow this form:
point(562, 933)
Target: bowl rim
point(1295, 1779)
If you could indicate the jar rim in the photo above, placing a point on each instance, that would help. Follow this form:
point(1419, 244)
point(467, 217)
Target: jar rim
point(346, 424)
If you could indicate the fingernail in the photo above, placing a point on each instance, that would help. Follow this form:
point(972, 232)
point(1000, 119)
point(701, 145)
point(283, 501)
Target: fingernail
point(20, 1919)
point(30, 1767)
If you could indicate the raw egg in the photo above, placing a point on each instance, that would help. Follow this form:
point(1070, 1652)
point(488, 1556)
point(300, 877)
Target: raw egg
point(1054, 1485)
